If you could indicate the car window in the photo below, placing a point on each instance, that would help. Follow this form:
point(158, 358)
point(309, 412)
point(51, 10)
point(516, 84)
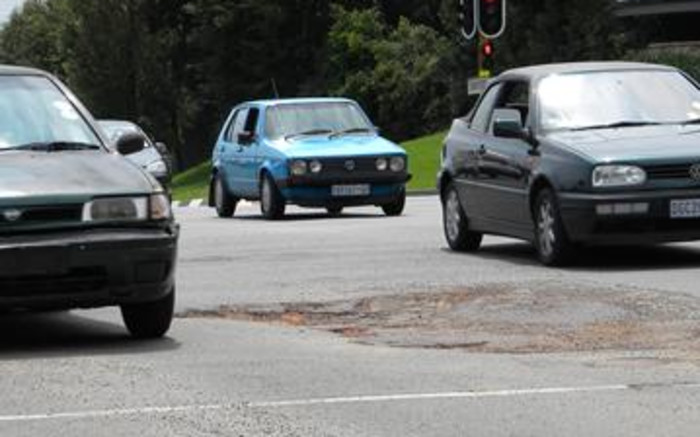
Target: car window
point(482, 116)
point(515, 95)
point(251, 122)
point(34, 110)
point(228, 135)
point(239, 124)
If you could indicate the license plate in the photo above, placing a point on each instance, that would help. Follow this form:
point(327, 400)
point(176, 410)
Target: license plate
point(350, 190)
point(689, 208)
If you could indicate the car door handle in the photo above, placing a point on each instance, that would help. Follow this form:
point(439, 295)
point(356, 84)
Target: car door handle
point(482, 150)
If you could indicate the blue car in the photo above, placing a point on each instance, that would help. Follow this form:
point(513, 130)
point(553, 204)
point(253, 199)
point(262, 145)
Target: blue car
point(319, 153)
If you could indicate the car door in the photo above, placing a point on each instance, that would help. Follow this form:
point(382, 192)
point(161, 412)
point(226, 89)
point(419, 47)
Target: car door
point(250, 152)
point(468, 155)
point(506, 164)
point(233, 154)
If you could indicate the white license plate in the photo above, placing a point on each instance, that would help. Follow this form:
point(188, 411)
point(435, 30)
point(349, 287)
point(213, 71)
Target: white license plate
point(350, 190)
point(689, 208)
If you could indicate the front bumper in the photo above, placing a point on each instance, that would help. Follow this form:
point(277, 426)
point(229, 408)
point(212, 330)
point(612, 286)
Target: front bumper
point(584, 224)
point(88, 268)
point(317, 192)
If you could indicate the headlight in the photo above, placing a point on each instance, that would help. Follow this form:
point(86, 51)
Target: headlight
point(315, 166)
point(397, 164)
point(155, 207)
point(382, 164)
point(157, 167)
point(618, 176)
point(299, 168)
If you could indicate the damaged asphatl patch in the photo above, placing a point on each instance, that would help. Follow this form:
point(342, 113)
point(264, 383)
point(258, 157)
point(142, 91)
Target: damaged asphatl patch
point(502, 318)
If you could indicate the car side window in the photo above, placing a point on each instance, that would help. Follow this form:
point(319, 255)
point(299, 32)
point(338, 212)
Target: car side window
point(228, 136)
point(516, 95)
point(239, 124)
point(482, 116)
point(251, 122)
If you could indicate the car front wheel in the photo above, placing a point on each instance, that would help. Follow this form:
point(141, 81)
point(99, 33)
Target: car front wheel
point(552, 243)
point(225, 203)
point(150, 319)
point(272, 203)
point(456, 225)
point(396, 207)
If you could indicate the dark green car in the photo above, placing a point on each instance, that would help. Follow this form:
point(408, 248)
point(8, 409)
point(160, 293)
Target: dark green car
point(576, 154)
point(80, 225)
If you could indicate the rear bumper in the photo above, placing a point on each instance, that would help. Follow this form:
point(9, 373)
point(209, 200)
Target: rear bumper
point(90, 268)
point(585, 224)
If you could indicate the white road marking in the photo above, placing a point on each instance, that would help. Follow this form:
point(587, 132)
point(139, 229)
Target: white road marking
point(340, 400)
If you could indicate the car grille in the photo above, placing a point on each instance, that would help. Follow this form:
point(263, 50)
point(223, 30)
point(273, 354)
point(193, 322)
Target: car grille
point(671, 171)
point(350, 170)
point(40, 214)
point(77, 281)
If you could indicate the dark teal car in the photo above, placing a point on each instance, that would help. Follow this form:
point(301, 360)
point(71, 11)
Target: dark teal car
point(576, 154)
point(317, 153)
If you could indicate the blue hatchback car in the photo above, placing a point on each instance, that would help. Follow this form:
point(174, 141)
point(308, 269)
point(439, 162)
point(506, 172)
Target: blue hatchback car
point(322, 153)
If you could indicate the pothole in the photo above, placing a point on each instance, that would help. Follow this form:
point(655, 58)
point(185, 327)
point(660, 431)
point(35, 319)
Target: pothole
point(499, 318)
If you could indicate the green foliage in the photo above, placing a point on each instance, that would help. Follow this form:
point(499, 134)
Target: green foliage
point(193, 183)
point(685, 58)
point(424, 160)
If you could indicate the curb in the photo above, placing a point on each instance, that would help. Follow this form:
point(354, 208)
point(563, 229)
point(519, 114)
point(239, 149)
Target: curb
point(201, 203)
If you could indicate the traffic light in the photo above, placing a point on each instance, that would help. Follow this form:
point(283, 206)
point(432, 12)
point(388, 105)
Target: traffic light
point(492, 17)
point(487, 52)
point(467, 18)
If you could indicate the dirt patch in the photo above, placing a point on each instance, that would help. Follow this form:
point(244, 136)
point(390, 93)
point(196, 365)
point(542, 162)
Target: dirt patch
point(535, 317)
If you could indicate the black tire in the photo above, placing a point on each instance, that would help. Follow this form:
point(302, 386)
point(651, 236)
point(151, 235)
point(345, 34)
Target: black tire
point(150, 319)
point(396, 207)
point(456, 225)
point(224, 202)
point(334, 210)
point(553, 245)
point(272, 203)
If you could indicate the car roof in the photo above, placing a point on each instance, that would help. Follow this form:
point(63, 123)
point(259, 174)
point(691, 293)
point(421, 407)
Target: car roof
point(305, 100)
point(17, 70)
point(537, 72)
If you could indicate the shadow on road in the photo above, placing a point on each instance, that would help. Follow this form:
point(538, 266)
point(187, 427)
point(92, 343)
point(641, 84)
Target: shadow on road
point(61, 334)
point(308, 216)
point(602, 259)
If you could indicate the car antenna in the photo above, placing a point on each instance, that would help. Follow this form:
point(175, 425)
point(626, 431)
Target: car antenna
point(274, 88)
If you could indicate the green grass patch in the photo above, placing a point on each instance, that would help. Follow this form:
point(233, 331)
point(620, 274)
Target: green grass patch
point(423, 162)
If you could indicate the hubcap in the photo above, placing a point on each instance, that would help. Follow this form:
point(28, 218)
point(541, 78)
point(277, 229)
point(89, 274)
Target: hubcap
point(218, 194)
point(545, 228)
point(266, 195)
point(453, 216)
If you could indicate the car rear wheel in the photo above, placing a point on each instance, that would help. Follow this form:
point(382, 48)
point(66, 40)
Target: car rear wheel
point(396, 207)
point(552, 243)
point(456, 224)
point(334, 210)
point(149, 319)
point(224, 202)
point(272, 203)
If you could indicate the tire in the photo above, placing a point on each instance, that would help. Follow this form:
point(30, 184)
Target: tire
point(396, 207)
point(456, 225)
point(224, 202)
point(151, 319)
point(272, 204)
point(334, 210)
point(553, 245)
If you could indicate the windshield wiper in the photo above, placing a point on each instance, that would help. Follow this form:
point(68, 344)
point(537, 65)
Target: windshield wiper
point(616, 125)
point(355, 130)
point(54, 146)
point(309, 133)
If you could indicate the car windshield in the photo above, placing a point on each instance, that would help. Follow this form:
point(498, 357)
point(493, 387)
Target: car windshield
point(315, 119)
point(616, 99)
point(34, 111)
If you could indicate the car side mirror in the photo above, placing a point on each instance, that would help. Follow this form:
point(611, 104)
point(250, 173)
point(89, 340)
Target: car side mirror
point(246, 138)
point(130, 143)
point(508, 123)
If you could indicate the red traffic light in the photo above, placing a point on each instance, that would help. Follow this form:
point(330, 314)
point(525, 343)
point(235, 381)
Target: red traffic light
point(487, 49)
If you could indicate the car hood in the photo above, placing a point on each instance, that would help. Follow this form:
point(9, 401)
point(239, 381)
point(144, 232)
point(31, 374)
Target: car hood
point(348, 145)
point(69, 173)
point(643, 143)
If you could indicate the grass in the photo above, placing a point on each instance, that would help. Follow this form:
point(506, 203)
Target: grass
point(423, 161)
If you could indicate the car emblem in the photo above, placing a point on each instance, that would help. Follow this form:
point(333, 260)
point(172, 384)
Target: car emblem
point(350, 165)
point(695, 172)
point(12, 215)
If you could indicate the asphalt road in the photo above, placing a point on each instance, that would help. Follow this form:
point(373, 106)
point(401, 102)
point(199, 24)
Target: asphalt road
point(78, 374)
